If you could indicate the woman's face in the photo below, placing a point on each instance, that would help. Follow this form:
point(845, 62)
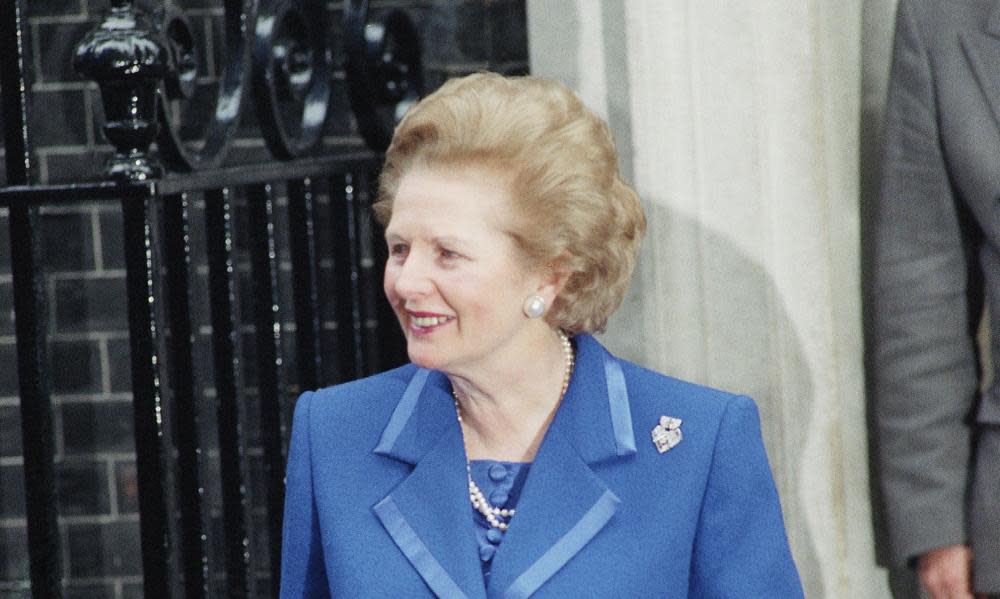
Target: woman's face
point(454, 277)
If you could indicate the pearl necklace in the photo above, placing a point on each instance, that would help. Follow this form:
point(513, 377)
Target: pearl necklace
point(500, 517)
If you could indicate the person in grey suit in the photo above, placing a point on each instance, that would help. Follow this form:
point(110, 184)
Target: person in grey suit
point(936, 262)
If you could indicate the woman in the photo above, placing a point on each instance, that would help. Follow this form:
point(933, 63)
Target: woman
point(515, 456)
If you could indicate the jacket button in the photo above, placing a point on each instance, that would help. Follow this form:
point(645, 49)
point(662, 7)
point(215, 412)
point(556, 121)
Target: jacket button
point(499, 498)
point(498, 472)
point(494, 535)
point(486, 552)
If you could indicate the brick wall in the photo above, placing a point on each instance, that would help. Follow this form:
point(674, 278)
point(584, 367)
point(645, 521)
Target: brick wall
point(85, 288)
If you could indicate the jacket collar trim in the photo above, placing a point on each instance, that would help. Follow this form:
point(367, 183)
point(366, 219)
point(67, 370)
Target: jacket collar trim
point(556, 556)
point(414, 549)
point(401, 415)
point(621, 415)
point(594, 416)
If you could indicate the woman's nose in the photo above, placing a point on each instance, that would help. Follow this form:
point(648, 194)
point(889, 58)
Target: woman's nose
point(413, 278)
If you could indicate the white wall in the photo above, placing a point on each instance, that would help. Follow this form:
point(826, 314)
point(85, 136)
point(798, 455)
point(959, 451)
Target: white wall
point(739, 124)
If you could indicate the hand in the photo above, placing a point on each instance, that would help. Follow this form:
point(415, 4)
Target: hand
point(946, 572)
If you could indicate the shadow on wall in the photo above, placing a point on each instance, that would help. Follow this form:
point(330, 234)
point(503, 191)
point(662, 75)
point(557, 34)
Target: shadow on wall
point(876, 50)
point(747, 344)
point(870, 173)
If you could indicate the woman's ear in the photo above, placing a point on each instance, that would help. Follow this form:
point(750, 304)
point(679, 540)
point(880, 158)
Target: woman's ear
point(554, 277)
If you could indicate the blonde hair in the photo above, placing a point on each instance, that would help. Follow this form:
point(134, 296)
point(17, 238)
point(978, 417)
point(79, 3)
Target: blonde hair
point(558, 158)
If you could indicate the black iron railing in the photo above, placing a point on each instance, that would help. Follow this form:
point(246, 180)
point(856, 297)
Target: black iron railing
point(145, 65)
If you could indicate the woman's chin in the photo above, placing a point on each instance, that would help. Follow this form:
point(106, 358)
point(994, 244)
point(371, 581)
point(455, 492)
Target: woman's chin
point(420, 356)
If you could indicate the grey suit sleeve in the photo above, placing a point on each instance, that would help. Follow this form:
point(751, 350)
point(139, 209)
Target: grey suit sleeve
point(924, 365)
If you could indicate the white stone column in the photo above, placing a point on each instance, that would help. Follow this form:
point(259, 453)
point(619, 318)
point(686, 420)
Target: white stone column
point(739, 126)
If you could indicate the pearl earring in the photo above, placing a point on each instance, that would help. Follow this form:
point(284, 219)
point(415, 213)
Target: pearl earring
point(534, 306)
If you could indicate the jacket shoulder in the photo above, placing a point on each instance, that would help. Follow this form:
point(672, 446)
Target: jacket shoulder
point(652, 390)
point(703, 410)
point(361, 391)
point(355, 409)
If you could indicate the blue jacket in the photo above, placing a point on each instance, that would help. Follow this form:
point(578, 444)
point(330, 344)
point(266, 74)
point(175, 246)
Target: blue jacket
point(377, 502)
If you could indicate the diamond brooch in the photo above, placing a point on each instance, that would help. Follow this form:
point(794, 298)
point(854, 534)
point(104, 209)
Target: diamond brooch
point(667, 434)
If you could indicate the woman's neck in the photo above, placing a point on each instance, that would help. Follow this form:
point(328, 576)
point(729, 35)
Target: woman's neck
point(508, 404)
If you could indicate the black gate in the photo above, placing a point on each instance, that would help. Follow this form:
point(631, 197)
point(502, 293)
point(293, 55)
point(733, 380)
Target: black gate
point(305, 319)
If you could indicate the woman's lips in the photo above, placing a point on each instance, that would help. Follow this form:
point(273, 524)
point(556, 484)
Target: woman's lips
point(422, 323)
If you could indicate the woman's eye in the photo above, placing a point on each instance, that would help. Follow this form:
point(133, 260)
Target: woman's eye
point(448, 254)
point(398, 249)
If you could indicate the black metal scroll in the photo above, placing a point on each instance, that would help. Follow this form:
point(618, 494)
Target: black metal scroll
point(207, 147)
point(384, 70)
point(148, 74)
point(291, 74)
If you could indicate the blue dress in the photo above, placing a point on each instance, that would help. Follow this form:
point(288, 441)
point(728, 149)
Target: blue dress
point(501, 484)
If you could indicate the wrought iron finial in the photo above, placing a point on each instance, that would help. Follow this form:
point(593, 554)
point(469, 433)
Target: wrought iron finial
point(127, 59)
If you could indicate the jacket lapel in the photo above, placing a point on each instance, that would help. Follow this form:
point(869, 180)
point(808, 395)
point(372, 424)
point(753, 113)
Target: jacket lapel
point(428, 514)
point(982, 49)
point(564, 503)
